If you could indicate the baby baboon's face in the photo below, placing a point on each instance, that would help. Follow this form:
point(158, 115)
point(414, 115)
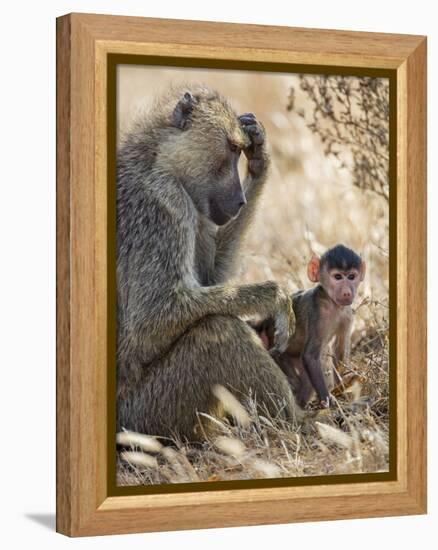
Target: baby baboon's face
point(207, 152)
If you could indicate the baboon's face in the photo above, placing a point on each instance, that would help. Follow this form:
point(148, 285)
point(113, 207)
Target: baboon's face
point(225, 194)
point(206, 154)
point(341, 284)
point(339, 272)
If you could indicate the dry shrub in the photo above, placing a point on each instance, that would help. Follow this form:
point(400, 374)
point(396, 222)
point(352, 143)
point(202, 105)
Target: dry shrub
point(351, 117)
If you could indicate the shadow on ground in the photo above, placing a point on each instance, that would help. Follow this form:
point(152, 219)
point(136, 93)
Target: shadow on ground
point(46, 520)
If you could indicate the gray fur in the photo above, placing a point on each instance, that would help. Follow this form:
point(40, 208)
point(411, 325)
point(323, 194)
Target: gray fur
point(179, 331)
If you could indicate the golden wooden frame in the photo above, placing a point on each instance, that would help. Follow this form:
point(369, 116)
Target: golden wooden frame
point(84, 506)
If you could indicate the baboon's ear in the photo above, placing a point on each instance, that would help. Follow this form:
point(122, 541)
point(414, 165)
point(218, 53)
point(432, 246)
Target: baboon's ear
point(183, 109)
point(313, 269)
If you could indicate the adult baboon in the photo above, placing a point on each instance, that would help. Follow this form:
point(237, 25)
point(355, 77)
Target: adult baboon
point(181, 215)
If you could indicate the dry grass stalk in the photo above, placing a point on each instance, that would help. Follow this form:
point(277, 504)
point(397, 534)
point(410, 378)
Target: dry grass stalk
point(334, 435)
point(231, 405)
point(230, 446)
point(144, 442)
point(139, 459)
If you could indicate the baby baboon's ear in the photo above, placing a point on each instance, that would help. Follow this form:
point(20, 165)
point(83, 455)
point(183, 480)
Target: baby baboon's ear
point(183, 109)
point(313, 269)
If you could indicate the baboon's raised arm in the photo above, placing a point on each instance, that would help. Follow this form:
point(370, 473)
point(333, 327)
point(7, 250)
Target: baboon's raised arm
point(230, 236)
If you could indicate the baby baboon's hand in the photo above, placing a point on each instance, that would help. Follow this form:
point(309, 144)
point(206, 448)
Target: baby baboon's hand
point(256, 150)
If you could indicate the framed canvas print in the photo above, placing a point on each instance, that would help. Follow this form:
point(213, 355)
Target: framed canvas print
point(238, 341)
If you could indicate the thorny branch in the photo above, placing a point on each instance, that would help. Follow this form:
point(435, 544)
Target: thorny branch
point(351, 117)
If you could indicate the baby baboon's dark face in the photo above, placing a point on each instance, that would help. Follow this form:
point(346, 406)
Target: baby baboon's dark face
point(206, 153)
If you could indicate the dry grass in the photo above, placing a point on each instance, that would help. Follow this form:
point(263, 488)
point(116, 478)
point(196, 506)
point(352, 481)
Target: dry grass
point(350, 438)
point(309, 204)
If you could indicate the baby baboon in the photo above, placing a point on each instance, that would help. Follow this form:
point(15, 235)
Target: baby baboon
point(322, 313)
point(182, 212)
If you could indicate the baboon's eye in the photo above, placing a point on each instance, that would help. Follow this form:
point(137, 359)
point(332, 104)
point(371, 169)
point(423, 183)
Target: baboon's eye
point(352, 276)
point(338, 276)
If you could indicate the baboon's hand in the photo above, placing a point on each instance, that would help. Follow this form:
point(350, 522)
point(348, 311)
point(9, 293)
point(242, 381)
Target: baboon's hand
point(284, 320)
point(256, 150)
